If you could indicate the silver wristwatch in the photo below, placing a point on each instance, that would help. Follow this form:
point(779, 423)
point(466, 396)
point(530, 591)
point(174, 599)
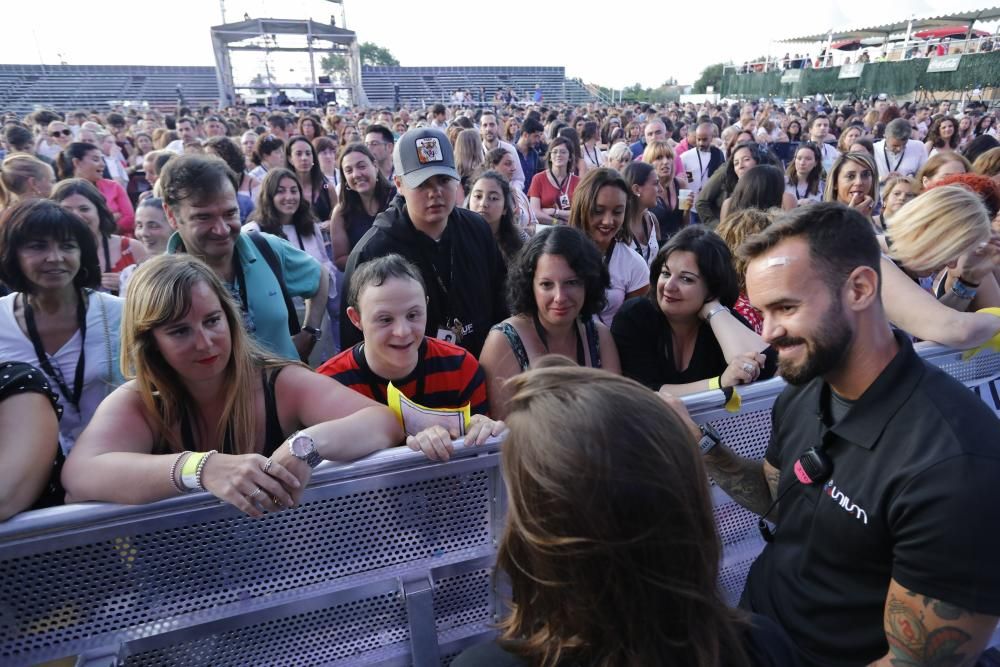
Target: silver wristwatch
point(303, 447)
point(709, 438)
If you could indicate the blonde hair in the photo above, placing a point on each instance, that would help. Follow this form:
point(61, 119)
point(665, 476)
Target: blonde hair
point(937, 227)
point(934, 164)
point(656, 150)
point(468, 152)
point(160, 293)
point(619, 152)
point(865, 160)
point(988, 164)
point(15, 171)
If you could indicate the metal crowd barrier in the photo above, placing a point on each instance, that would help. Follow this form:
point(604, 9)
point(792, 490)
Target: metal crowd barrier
point(387, 561)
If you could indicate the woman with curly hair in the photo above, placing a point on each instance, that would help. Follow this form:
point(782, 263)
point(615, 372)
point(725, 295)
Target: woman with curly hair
point(555, 288)
point(942, 136)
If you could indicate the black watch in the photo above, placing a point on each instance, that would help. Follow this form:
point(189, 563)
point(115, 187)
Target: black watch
point(313, 331)
point(709, 438)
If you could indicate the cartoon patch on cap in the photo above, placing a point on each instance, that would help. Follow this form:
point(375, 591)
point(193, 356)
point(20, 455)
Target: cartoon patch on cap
point(429, 150)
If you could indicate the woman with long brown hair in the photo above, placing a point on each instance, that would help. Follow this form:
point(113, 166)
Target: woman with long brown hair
point(610, 544)
point(198, 384)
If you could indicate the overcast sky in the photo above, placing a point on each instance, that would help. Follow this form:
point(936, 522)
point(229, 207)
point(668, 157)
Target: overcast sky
point(647, 42)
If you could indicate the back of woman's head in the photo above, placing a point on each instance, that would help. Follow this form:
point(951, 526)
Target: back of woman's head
point(980, 145)
point(576, 250)
point(41, 219)
point(761, 187)
point(984, 186)
point(79, 186)
point(468, 152)
point(16, 172)
point(230, 152)
point(715, 263)
point(75, 151)
point(620, 152)
point(736, 228)
point(988, 163)
point(610, 543)
point(937, 227)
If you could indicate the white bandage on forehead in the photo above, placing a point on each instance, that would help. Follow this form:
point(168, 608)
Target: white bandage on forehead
point(781, 260)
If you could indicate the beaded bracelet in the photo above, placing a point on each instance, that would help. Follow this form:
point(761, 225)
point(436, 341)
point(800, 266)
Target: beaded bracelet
point(173, 472)
point(201, 466)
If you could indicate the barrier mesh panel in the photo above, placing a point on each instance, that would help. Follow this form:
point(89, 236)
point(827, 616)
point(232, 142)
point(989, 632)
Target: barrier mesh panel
point(343, 633)
point(133, 580)
point(315, 638)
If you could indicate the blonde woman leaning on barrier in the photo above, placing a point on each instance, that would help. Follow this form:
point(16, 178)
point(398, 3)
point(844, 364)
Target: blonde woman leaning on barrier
point(945, 234)
point(200, 385)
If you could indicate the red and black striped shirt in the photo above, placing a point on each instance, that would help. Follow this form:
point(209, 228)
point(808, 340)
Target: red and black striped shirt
point(446, 376)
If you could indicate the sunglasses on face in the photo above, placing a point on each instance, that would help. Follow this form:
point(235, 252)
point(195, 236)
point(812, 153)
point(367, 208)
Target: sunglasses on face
point(64, 133)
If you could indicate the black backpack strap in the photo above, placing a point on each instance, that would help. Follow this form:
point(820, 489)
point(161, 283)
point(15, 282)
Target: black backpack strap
point(267, 251)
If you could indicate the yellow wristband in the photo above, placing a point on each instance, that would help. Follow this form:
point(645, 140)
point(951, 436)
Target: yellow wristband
point(713, 383)
point(189, 473)
point(991, 344)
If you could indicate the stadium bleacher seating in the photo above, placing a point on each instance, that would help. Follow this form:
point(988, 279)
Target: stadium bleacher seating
point(420, 86)
point(24, 88)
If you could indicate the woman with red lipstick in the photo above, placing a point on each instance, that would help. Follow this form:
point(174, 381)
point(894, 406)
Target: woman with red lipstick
point(207, 409)
point(555, 287)
point(600, 208)
point(387, 302)
point(684, 337)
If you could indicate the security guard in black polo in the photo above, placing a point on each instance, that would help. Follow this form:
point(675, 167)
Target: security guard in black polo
point(882, 475)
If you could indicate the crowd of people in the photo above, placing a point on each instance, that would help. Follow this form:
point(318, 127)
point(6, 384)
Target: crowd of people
point(218, 300)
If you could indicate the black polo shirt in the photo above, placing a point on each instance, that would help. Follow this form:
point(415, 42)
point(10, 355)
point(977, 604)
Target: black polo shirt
point(914, 496)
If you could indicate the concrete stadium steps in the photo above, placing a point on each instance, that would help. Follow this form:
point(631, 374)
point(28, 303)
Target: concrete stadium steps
point(24, 88)
point(426, 85)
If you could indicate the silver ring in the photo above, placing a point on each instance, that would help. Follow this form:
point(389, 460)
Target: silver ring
point(256, 492)
point(749, 368)
point(267, 466)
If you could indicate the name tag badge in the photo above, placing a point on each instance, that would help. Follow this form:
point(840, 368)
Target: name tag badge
point(447, 335)
point(563, 201)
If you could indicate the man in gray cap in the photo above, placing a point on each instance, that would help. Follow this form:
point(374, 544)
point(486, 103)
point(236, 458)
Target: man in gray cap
point(454, 248)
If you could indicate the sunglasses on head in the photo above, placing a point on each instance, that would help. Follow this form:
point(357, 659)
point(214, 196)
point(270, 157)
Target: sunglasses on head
point(64, 133)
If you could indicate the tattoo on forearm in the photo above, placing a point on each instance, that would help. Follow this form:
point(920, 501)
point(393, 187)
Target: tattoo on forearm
point(772, 475)
point(913, 644)
point(741, 478)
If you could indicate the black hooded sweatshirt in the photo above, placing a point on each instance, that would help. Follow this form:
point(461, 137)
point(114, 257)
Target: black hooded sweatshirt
point(464, 273)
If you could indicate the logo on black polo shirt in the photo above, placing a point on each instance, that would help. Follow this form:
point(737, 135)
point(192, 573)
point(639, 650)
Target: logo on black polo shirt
point(841, 499)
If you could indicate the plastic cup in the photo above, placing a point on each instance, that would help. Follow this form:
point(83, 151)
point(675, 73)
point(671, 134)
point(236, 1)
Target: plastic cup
point(684, 198)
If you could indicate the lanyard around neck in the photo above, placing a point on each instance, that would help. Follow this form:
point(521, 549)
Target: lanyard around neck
point(43, 357)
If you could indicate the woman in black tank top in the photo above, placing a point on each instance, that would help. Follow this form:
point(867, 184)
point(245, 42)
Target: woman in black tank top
point(206, 406)
point(364, 193)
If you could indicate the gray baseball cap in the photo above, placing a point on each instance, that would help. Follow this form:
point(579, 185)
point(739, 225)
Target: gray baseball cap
point(422, 153)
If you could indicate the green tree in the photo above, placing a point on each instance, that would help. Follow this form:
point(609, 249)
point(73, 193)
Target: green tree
point(373, 54)
point(710, 76)
point(335, 63)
